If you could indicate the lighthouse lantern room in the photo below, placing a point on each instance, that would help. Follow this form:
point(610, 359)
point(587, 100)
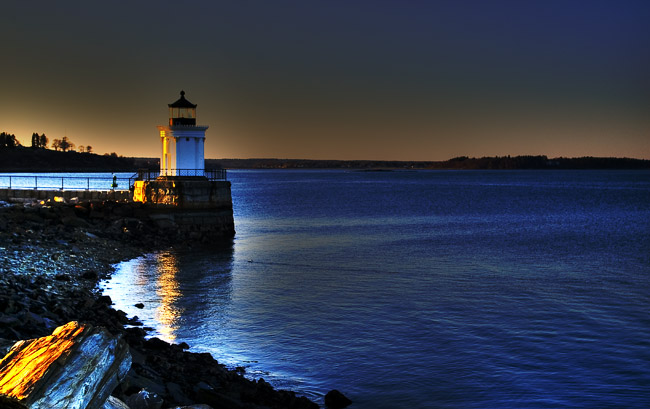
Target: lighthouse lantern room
point(182, 141)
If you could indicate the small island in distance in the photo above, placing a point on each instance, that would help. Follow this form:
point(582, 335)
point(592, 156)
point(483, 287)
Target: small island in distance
point(27, 159)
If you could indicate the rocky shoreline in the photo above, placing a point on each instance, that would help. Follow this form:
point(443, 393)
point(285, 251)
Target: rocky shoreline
point(52, 256)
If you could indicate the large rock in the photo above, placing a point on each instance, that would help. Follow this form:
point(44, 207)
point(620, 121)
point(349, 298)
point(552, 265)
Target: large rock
point(336, 400)
point(73, 221)
point(144, 400)
point(78, 366)
point(114, 403)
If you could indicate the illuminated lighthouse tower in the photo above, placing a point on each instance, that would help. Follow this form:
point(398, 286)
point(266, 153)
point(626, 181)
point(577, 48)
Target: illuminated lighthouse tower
point(185, 200)
point(182, 141)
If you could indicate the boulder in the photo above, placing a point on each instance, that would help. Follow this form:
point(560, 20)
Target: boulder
point(81, 211)
point(176, 392)
point(336, 400)
point(199, 406)
point(156, 344)
point(113, 403)
point(78, 366)
point(144, 400)
point(123, 210)
point(73, 221)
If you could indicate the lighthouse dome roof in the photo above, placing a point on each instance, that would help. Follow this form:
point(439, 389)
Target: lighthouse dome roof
point(182, 102)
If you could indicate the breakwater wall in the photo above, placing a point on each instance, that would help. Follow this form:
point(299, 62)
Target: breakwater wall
point(177, 210)
point(32, 195)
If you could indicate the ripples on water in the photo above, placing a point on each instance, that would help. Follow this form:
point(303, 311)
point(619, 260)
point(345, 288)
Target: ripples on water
point(421, 289)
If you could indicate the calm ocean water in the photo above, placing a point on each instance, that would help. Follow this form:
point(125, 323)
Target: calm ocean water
point(422, 289)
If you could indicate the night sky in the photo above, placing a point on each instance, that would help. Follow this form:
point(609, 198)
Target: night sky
point(402, 80)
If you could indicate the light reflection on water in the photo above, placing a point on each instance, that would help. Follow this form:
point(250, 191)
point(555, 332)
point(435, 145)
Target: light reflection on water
point(168, 313)
point(170, 285)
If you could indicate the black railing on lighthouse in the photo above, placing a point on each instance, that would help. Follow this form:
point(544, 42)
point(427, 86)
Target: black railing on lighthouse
point(210, 174)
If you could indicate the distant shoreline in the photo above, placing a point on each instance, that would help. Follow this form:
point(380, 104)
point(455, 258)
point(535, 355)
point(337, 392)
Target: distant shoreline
point(23, 159)
point(459, 163)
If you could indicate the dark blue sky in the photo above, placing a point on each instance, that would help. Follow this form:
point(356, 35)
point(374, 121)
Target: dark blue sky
point(334, 79)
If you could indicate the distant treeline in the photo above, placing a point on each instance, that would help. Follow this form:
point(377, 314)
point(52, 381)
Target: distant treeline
point(24, 159)
point(462, 162)
point(541, 162)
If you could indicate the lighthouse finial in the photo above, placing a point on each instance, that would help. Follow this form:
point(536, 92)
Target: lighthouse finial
point(182, 93)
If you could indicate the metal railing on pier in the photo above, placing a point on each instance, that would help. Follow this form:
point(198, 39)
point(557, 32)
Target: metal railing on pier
point(99, 182)
point(53, 182)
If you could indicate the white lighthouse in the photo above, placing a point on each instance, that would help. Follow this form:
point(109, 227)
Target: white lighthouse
point(182, 141)
point(184, 199)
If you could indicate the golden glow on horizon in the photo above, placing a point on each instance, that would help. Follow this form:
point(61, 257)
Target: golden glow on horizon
point(499, 131)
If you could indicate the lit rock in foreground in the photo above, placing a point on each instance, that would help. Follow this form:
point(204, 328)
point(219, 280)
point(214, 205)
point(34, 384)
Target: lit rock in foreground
point(78, 366)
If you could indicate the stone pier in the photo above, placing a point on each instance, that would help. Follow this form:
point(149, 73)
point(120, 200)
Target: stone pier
point(189, 208)
point(194, 206)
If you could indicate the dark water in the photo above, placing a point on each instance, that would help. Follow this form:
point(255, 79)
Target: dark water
point(441, 289)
